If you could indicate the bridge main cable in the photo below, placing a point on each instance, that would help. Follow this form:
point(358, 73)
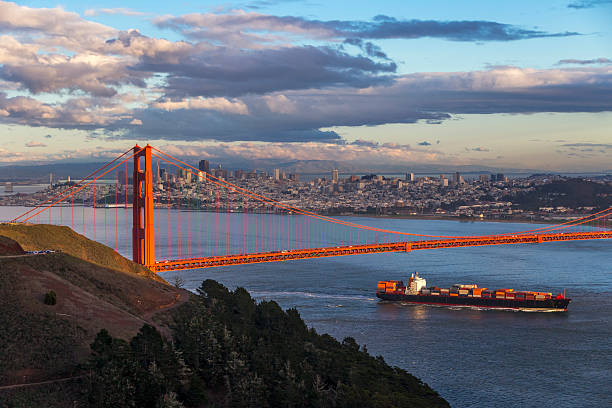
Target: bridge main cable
point(80, 188)
point(271, 201)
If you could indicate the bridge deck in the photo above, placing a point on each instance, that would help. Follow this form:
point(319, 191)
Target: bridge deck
point(241, 259)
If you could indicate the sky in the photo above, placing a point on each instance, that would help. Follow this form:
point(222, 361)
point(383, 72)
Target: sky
point(504, 84)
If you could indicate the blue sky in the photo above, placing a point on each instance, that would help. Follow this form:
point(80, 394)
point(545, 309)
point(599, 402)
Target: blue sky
point(518, 84)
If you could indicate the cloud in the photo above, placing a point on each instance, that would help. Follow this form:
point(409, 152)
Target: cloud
point(583, 4)
point(274, 88)
point(230, 72)
point(371, 49)
point(389, 153)
point(214, 104)
point(35, 144)
point(369, 143)
point(43, 156)
point(97, 75)
point(299, 115)
point(585, 62)
point(424, 143)
point(118, 10)
point(409, 99)
point(58, 27)
point(588, 145)
point(244, 29)
point(76, 113)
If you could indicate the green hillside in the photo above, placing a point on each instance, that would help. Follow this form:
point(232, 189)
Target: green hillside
point(36, 237)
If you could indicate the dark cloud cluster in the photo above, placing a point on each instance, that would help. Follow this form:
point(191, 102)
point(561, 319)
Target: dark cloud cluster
point(242, 26)
point(385, 27)
point(227, 72)
point(411, 98)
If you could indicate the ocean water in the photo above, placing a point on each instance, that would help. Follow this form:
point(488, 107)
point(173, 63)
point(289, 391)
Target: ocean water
point(473, 358)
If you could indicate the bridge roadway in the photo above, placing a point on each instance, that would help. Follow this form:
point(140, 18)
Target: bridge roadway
point(241, 259)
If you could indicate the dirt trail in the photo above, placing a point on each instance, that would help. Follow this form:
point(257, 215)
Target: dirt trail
point(10, 387)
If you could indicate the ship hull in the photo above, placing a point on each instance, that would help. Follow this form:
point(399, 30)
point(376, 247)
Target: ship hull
point(547, 305)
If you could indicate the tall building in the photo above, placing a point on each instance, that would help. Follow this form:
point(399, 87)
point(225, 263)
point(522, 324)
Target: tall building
point(410, 177)
point(121, 177)
point(276, 174)
point(204, 165)
point(456, 178)
point(157, 173)
point(334, 175)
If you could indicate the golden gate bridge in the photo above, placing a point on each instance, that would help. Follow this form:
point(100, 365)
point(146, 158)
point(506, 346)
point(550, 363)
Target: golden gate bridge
point(262, 230)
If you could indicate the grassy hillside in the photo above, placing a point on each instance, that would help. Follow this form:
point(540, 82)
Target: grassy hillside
point(36, 237)
point(95, 288)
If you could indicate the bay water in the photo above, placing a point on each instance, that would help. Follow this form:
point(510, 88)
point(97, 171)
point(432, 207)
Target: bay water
point(473, 358)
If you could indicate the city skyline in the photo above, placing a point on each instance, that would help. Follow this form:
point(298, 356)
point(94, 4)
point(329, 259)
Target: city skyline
point(526, 86)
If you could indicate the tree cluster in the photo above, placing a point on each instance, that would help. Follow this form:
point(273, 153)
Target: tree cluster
point(229, 351)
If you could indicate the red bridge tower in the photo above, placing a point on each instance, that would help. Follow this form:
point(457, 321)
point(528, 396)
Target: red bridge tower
point(143, 232)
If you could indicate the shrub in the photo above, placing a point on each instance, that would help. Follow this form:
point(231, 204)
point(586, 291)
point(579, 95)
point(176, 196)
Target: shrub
point(50, 298)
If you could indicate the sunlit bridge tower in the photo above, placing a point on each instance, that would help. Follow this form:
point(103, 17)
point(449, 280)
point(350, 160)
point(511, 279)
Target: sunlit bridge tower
point(143, 232)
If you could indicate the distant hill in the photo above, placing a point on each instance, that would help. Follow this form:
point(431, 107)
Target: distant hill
point(41, 172)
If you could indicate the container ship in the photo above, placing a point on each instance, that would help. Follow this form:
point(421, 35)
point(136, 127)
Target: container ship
point(470, 295)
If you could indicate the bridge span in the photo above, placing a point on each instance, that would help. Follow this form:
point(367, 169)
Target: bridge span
point(277, 256)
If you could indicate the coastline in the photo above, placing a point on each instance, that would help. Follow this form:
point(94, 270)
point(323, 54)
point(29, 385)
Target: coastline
point(459, 219)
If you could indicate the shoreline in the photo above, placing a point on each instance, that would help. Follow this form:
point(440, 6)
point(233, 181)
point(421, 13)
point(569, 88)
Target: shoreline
point(460, 219)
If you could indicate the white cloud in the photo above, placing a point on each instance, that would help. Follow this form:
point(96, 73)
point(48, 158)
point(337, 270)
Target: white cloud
point(35, 144)
point(280, 104)
point(388, 153)
point(119, 10)
point(216, 104)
